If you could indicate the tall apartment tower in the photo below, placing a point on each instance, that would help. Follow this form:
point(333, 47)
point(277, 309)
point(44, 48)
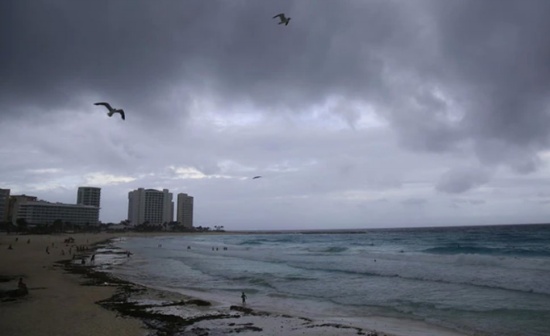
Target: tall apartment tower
point(89, 196)
point(4, 204)
point(149, 205)
point(185, 210)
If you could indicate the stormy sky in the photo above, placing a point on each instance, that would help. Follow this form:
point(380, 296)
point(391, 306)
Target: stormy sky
point(358, 114)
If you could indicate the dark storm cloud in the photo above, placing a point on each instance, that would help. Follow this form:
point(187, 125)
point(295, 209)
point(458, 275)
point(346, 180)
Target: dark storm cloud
point(459, 180)
point(496, 54)
point(126, 52)
point(489, 57)
point(133, 51)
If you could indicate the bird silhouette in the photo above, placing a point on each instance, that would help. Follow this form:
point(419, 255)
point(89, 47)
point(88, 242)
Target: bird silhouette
point(112, 110)
point(256, 177)
point(283, 19)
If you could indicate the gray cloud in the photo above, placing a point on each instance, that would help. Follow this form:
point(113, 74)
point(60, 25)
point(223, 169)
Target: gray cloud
point(381, 101)
point(459, 180)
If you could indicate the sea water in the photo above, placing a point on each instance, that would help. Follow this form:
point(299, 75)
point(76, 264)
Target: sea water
point(490, 280)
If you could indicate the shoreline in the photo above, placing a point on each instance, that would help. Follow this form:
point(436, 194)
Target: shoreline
point(175, 313)
point(97, 302)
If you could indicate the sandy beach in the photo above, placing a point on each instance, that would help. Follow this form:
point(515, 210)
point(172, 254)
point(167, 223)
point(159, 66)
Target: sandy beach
point(69, 299)
point(57, 304)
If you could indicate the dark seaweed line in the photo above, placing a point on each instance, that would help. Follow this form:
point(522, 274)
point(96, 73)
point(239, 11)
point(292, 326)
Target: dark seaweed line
point(159, 324)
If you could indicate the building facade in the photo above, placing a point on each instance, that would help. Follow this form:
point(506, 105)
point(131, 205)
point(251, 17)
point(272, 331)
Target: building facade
point(185, 210)
point(4, 204)
point(42, 212)
point(150, 206)
point(15, 201)
point(89, 196)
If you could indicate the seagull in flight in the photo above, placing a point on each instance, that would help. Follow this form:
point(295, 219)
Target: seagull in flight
point(283, 19)
point(256, 177)
point(112, 110)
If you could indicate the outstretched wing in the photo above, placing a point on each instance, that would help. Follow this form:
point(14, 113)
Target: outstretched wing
point(122, 114)
point(281, 16)
point(105, 104)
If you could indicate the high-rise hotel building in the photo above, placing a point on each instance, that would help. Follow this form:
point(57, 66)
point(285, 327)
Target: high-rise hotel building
point(42, 212)
point(150, 206)
point(37, 212)
point(185, 210)
point(89, 196)
point(4, 204)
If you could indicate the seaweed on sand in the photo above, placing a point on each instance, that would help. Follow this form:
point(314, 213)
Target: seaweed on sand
point(160, 324)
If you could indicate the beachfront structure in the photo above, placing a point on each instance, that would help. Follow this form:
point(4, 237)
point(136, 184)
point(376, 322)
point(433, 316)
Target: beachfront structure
point(4, 204)
point(89, 196)
point(42, 212)
point(185, 210)
point(150, 206)
point(15, 200)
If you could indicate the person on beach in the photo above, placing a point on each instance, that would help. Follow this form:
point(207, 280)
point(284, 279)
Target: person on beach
point(22, 287)
point(243, 296)
point(10, 247)
point(47, 249)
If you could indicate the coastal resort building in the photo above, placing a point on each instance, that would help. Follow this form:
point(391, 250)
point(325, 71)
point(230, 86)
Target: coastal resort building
point(42, 212)
point(150, 206)
point(15, 201)
point(89, 196)
point(4, 204)
point(185, 210)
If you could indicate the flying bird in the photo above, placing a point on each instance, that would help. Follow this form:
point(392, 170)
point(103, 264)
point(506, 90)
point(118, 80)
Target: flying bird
point(112, 110)
point(256, 177)
point(283, 19)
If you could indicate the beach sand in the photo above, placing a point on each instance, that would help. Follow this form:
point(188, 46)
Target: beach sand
point(57, 304)
point(70, 299)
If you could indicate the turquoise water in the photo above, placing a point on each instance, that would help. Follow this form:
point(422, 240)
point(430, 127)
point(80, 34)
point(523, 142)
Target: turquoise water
point(492, 280)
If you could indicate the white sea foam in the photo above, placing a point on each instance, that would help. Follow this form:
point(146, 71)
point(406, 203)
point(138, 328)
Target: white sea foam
point(456, 279)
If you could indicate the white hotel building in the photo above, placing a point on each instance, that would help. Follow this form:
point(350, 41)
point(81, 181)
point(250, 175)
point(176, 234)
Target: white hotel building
point(36, 211)
point(42, 212)
point(89, 196)
point(150, 206)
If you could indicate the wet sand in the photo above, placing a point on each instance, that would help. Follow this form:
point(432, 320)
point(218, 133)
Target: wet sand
point(57, 304)
point(67, 298)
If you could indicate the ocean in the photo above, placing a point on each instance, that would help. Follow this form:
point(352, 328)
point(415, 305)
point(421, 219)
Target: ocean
point(478, 280)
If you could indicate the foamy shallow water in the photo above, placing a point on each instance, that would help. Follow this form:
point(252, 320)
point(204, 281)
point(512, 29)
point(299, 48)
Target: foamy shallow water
point(468, 280)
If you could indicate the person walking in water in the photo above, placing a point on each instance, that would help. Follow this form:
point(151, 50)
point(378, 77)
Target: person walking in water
point(243, 296)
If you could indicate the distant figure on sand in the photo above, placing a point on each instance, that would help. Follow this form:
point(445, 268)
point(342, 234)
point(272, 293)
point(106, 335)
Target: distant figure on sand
point(243, 296)
point(22, 287)
point(47, 249)
point(10, 248)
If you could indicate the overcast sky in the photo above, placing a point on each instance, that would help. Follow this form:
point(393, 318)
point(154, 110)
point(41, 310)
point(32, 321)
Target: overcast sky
point(357, 114)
